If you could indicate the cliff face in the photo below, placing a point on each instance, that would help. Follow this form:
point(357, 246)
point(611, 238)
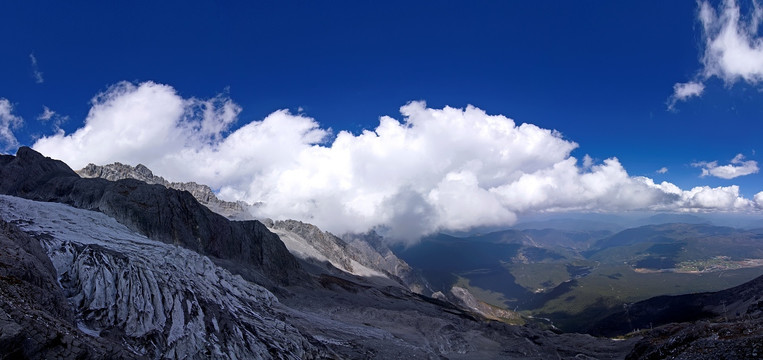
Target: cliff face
point(118, 171)
point(167, 215)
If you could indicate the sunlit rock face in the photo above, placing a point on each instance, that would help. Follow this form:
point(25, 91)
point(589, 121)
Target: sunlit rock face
point(362, 255)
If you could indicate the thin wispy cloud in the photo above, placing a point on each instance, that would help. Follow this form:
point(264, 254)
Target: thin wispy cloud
point(52, 117)
point(736, 168)
point(733, 48)
point(36, 73)
point(430, 170)
point(662, 170)
point(8, 123)
point(46, 114)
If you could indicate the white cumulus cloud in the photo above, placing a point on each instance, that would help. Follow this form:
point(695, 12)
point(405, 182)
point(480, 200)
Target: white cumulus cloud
point(430, 170)
point(8, 122)
point(737, 167)
point(759, 199)
point(733, 45)
point(733, 48)
point(683, 91)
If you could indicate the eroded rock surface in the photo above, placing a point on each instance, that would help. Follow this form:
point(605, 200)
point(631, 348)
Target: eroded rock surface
point(160, 300)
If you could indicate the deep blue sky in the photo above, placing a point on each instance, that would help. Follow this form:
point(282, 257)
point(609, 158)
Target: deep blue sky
point(600, 72)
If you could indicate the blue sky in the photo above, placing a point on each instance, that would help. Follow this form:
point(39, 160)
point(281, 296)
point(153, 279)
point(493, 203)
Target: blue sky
point(600, 73)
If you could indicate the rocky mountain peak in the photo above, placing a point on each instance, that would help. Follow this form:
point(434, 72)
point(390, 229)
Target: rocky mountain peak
point(203, 193)
point(143, 170)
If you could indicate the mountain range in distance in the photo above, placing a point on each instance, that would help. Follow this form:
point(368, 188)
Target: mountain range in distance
point(572, 276)
point(122, 267)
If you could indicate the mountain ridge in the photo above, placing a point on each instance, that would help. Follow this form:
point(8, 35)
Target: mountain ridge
point(203, 193)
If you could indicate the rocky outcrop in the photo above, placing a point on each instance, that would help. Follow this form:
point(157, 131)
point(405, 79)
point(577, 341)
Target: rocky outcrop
point(704, 340)
point(167, 215)
point(117, 171)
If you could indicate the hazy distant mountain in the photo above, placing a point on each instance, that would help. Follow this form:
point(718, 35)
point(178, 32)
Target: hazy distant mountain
point(571, 239)
point(482, 260)
point(576, 277)
point(567, 224)
point(674, 218)
point(667, 245)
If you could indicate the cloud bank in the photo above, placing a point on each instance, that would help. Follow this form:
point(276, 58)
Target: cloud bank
point(733, 48)
point(432, 170)
point(8, 122)
point(737, 167)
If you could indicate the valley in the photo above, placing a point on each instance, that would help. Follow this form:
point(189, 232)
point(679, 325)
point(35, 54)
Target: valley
point(575, 282)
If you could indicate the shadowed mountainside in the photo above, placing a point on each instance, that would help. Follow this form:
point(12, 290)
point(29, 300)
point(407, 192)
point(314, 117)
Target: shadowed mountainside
point(167, 215)
point(740, 302)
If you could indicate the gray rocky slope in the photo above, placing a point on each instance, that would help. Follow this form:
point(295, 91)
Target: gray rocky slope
point(152, 273)
point(351, 254)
